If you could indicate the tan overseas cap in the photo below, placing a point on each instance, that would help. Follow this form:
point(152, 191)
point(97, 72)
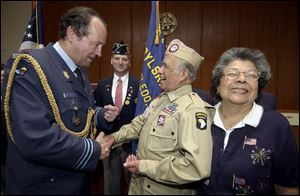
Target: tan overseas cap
point(180, 50)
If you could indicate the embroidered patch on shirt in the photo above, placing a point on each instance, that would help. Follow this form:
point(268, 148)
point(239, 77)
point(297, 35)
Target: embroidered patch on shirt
point(170, 109)
point(161, 120)
point(201, 120)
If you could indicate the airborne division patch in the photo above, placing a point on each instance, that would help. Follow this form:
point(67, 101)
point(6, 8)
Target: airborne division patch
point(201, 120)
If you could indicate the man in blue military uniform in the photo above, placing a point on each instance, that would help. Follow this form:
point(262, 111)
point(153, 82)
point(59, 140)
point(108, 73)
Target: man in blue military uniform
point(50, 113)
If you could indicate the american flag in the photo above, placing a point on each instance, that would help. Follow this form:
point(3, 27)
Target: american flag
point(238, 181)
point(33, 37)
point(249, 141)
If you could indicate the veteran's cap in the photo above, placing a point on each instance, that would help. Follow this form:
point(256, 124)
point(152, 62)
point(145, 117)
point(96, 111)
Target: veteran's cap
point(180, 50)
point(120, 48)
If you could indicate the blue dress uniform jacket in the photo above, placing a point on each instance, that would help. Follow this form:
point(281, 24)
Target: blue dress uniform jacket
point(43, 158)
point(103, 97)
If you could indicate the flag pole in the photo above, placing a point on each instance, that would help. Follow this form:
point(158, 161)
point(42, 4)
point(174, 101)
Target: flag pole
point(37, 24)
point(157, 34)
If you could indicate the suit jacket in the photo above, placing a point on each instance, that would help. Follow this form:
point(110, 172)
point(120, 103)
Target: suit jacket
point(46, 159)
point(103, 97)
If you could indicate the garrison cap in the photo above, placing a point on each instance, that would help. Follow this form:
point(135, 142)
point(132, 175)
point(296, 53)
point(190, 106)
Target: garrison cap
point(180, 50)
point(120, 48)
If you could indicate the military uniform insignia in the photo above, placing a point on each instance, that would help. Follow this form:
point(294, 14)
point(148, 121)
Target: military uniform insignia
point(174, 48)
point(76, 119)
point(107, 87)
point(128, 97)
point(170, 109)
point(70, 95)
point(66, 75)
point(201, 120)
point(21, 71)
point(161, 120)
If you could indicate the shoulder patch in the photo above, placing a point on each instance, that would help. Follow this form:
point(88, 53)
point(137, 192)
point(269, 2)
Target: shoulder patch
point(201, 120)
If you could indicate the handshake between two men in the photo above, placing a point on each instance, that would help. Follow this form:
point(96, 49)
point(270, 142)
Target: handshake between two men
point(106, 142)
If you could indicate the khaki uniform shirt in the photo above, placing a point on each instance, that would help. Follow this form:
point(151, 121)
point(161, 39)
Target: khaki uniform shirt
point(175, 143)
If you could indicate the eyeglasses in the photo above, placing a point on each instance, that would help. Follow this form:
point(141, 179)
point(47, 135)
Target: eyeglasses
point(233, 74)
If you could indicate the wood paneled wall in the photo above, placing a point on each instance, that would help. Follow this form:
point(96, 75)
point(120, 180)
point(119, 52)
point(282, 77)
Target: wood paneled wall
point(210, 27)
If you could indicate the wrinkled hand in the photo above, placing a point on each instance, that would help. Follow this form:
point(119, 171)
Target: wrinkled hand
point(132, 164)
point(111, 112)
point(105, 147)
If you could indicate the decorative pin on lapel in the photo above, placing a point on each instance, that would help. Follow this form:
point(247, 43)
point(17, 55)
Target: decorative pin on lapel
point(76, 119)
point(21, 71)
point(66, 75)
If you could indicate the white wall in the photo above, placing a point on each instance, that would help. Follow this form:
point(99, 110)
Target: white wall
point(14, 17)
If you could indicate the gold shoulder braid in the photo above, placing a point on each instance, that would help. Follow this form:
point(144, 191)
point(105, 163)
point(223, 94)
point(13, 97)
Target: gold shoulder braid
point(48, 91)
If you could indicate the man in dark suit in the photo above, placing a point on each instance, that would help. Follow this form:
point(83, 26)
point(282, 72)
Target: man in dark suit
point(109, 91)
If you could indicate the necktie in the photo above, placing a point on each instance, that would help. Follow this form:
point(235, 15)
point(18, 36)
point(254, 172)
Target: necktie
point(118, 97)
point(79, 76)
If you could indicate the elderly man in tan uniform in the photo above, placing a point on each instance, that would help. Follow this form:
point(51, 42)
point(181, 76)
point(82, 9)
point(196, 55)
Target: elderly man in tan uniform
point(175, 144)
